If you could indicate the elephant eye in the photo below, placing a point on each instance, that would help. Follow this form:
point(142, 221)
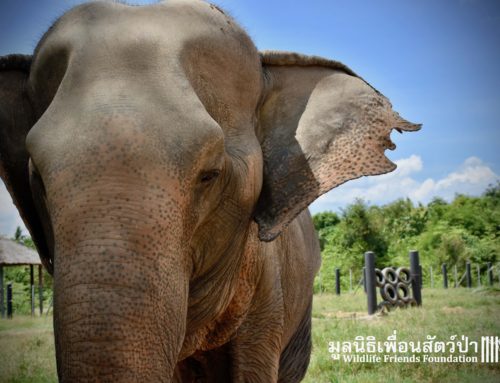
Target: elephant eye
point(209, 176)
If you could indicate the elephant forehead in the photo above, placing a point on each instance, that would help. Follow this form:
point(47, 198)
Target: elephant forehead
point(183, 55)
point(171, 68)
point(145, 36)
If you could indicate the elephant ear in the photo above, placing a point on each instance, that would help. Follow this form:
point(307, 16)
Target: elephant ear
point(16, 119)
point(320, 126)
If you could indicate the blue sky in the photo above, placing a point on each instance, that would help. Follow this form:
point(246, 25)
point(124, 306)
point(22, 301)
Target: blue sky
point(437, 61)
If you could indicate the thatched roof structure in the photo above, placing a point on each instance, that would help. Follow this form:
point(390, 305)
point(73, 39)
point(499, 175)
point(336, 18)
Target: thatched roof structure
point(13, 253)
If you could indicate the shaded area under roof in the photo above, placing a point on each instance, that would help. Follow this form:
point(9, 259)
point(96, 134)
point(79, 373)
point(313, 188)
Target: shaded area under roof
point(13, 253)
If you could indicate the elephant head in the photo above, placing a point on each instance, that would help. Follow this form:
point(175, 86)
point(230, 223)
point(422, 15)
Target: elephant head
point(145, 148)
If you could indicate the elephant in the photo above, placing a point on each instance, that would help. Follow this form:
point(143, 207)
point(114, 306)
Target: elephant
point(164, 168)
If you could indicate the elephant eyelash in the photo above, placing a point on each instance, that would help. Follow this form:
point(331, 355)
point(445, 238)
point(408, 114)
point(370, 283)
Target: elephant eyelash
point(209, 176)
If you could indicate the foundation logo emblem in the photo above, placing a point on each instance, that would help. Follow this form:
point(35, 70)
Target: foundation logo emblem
point(455, 349)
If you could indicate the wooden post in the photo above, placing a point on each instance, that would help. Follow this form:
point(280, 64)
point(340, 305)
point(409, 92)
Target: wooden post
point(2, 306)
point(32, 290)
point(370, 285)
point(490, 274)
point(432, 278)
point(40, 288)
point(455, 275)
point(9, 300)
point(478, 276)
point(445, 276)
point(415, 270)
point(337, 281)
point(468, 277)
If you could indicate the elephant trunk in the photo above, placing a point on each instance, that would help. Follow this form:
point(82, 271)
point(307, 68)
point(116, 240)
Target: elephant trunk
point(118, 208)
point(120, 303)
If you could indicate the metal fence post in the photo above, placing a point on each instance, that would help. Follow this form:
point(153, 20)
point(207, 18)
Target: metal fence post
point(320, 280)
point(468, 277)
point(350, 280)
point(490, 273)
point(369, 273)
point(415, 271)
point(337, 281)
point(445, 276)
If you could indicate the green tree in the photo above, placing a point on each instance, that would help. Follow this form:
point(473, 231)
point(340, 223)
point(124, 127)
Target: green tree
point(325, 219)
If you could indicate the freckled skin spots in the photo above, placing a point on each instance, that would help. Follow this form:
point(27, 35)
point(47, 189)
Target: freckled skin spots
point(163, 167)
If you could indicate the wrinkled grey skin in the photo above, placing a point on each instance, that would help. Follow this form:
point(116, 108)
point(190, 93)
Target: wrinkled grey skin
point(164, 168)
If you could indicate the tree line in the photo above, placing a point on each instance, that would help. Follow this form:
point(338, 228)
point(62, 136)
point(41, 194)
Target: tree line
point(466, 229)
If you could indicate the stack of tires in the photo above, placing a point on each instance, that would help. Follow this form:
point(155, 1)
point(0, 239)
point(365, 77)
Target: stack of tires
point(394, 285)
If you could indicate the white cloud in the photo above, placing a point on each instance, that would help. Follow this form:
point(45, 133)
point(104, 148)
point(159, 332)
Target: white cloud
point(406, 166)
point(471, 178)
point(9, 217)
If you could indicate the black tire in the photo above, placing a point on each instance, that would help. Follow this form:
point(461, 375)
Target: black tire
point(389, 293)
point(379, 278)
point(403, 274)
point(390, 275)
point(403, 292)
point(412, 302)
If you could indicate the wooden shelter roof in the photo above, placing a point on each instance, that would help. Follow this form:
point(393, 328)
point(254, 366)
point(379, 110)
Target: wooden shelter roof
point(13, 253)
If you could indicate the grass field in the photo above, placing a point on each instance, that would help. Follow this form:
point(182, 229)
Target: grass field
point(27, 348)
point(445, 312)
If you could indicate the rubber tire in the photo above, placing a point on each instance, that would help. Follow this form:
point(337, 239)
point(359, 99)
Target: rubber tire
point(407, 275)
point(379, 278)
point(404, 287)
point(390, 275)
point(389, 297)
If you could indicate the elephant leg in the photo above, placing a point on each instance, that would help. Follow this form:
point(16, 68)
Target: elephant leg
point(295, 357)
point(257, 345)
